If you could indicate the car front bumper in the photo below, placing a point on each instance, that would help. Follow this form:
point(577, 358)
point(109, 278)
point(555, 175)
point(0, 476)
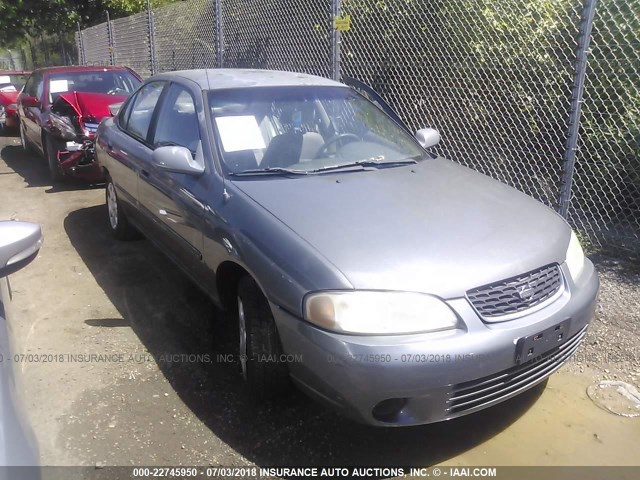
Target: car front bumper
point(78, 161)
point(425, 378)
point(8, 119)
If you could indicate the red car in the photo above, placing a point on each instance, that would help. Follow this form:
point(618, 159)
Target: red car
point(59, 111)
point(11, 83)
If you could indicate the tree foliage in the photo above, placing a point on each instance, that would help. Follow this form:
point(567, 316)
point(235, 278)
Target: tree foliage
point(22, 18)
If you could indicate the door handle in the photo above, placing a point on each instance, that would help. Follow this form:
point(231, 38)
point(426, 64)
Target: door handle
point(109, 146)
point(144, 173)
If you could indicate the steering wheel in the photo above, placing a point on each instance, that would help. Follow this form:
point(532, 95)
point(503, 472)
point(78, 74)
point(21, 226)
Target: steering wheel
point(116, 91)
point(335, 139)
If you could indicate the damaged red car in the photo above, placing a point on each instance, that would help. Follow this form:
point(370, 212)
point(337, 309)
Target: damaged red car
point(11, 82)
point(59, 110)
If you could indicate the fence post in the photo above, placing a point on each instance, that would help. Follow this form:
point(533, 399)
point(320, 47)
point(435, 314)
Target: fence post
point(81, 58)
point(63, 50)
point(577, 91)
point(151, 32)
point(112, 49)
point(335, 45)
point(219, 34)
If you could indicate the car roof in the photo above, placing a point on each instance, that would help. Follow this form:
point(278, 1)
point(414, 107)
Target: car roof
point(223, 78)
point(14, 72)
point(78, 68)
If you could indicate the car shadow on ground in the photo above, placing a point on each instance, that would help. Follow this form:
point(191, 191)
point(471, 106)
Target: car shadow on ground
point(33, 169)
point(171, 316)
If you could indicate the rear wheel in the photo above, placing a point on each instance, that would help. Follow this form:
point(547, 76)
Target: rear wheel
point(51, 152)
point(262, 361)
point(121, 229)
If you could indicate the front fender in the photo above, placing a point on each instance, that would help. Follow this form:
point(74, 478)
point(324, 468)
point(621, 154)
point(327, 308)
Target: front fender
point(283, 264)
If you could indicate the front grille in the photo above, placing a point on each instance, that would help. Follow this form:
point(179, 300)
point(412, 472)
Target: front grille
point(483, 392)
point(516, 294)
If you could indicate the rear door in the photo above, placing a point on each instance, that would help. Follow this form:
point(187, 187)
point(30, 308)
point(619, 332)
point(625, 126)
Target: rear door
point(125, 148)
point(31, 116)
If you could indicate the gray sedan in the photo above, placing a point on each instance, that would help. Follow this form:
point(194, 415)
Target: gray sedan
point(394, 285)
point(19, 245)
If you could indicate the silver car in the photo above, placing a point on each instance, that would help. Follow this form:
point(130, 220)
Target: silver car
point(19, 245)
point(392, 284)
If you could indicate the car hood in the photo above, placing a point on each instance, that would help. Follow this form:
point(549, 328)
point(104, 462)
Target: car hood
point(88, 104)
point(434, 227)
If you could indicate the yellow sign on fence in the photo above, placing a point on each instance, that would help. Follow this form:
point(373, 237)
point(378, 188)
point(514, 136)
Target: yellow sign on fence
point(342, 23)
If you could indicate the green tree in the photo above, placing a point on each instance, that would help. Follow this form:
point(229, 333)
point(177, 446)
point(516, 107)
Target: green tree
point(22, 18)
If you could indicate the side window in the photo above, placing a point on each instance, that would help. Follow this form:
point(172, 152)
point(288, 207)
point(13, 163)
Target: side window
point(141, 110)
point(178, 120)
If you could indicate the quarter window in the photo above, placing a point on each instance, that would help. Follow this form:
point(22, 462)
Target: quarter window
point(123, 114)
point(33, 86)
point(39, 87)
point(29, 88)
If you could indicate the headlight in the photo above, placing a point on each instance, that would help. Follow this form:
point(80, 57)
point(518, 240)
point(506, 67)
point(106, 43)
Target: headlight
point(377, 313)
point(64, 126)
point(575, 257)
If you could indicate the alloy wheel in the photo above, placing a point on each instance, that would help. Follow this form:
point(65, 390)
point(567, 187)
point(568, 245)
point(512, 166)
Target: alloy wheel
point(242, 327)
point(112, 205)
point(23, 141)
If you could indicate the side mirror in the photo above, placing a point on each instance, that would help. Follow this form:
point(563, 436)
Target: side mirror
point(178, 160)
point(29, 102)
point(114, 108)
point(428, 137)
point(19, 245)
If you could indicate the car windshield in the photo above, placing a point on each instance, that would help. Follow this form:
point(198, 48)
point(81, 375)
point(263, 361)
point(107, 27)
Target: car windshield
point(113, 82)
point(303, 130)
point(12, 82)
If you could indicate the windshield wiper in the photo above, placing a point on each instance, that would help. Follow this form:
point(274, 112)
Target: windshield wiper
point(369, 162)
point(268, 171)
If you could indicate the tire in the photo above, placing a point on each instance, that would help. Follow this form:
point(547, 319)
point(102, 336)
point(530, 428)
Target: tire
point(23, 139)
point(51, 154)
point(261, 362)
point(119, 224)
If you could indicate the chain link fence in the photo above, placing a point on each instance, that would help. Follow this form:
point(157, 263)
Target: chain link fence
point(186, 36)
point(131, 44)
point(606, 184)
point(501, 81)
point(495, 81)
point(278, 35)
point(95, 45)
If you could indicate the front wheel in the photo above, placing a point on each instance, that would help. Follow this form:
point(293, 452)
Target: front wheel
point(52, 159)
point(119, 224)
point(262, 361)
point(23, 138)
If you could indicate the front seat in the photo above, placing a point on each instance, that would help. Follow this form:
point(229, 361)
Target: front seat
point(311, 143)
point(283, 150)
